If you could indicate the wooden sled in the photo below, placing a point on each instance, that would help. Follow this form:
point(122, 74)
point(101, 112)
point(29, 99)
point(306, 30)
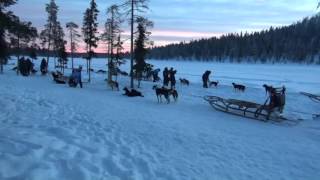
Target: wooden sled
point(313, 97)
point(59, 78)
point(249, 110)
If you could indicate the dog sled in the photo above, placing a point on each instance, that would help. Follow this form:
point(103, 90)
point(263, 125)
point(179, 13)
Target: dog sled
point(313, 97)
point(247, 109)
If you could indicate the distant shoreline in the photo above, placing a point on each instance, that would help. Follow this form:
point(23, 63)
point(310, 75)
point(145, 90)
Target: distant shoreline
point(226, 61)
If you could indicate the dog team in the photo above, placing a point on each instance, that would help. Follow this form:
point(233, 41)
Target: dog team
point(168, 88)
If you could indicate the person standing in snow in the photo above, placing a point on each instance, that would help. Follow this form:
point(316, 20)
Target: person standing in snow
point(79, 76)
point(29, 66)
point(165, 77)
point(76, 77)
point(205, 79)
point(155, 75)
point(43, 66)
point(172, 74)
point(23, 66)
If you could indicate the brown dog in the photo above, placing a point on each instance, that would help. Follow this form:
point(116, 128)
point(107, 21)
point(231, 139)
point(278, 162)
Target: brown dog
point(113, 85)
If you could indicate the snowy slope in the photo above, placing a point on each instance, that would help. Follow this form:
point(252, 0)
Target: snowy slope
point(50, 131)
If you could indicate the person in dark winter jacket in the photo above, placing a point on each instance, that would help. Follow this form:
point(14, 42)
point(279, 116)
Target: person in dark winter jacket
point(205, 79)
point(24, 67)
point(155, 75)
point(29, 66)
point(43, 66)
point(76, 77)
point(172, 74)
point(20, 65)
point(165, 77)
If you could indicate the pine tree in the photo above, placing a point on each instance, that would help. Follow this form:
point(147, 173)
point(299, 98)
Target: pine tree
point(140, 51)
point(90, 31)
point(33, 51)
point(20, 36)
point(74, 38)
point(8, 23)
point(62, 57)
point(132, 8)
point(59, 44)
point(47, 35)
point(111, 35)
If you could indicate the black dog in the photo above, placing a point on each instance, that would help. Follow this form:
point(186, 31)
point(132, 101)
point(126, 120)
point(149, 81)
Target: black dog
point(268, 89)
point(214, 83)
point(239, 87)
point(184, 81)
point(162, 92)
point(132, 93)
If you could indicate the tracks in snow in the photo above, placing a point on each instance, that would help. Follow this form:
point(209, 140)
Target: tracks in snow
point(62, 142)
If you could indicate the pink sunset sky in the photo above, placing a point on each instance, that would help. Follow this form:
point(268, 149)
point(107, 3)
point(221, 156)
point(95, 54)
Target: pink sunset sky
point(181, 20)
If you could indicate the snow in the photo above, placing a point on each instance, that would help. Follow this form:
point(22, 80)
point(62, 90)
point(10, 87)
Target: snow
point(50, 131)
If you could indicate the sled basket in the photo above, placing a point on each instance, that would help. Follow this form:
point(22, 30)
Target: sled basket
point(246, 109)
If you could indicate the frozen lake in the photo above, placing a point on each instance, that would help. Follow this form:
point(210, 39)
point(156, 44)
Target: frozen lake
point(295, 77)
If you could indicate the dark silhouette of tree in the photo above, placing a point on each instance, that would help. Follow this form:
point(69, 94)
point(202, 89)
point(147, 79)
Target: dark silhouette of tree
point(62, 57)
point(20, 36)
point(90, 31)
point(140, 51)
point(47, 35)
point(110, 36)
point(58, 44)
point(10, 24)
point(74, 38)
point(33, 51)
point(132, 8)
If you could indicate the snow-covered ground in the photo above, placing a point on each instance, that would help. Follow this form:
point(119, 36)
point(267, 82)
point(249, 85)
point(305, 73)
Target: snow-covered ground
point(50, 131)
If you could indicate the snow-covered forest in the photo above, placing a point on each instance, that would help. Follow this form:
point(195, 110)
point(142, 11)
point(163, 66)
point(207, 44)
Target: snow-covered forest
point(297, 43)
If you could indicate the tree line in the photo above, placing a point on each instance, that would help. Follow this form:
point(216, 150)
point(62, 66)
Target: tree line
point(17, 38)
point(298, 43)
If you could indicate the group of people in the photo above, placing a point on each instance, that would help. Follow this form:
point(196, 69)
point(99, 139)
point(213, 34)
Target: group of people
point(169, 76)
point(25, 66)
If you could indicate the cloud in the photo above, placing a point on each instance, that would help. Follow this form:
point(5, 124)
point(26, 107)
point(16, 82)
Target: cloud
point(183, 20)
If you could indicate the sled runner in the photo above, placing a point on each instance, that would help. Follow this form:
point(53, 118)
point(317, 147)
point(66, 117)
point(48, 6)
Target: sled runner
point(313, 97)
point(271, 112)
